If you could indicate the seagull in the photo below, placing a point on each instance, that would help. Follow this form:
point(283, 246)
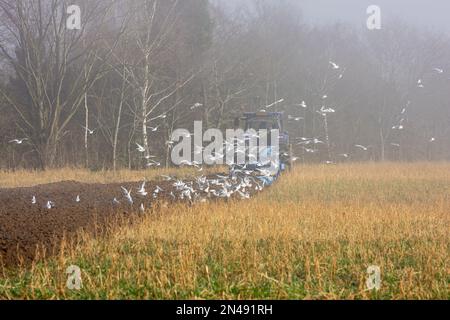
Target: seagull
point(196, 105)
point(420, 83)
point(154, 129)
point(127, 194)
point(310, 150)
point(324, 96)
point(275, 103)
point(77, 198)
point(303, 105)
point(341, 76)
point(395, 145)
point(153, 163)
point(327, 110)
point(18, 141)
point(91, 132)
point(317, 141)
point(190, 164)
point(162, 116)
point(344, 155)
point(399, 127)
point(170, 142)
point(50, 205)
point(142, 208)
point(142, 191)
point(166, 178)
point(140, 148)
point(334, 65)
point(294, 118)
point(115, 201)
point(33, 200)
point(432, 139)
point(439, 70)
point(361, 147)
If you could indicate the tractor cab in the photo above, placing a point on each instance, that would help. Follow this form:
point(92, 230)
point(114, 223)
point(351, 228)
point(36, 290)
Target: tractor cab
point(268, 121)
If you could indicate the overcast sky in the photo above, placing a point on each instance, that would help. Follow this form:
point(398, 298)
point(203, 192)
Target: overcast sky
point(429, 14)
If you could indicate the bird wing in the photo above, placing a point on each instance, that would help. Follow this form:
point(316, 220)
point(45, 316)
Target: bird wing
point(125, 190)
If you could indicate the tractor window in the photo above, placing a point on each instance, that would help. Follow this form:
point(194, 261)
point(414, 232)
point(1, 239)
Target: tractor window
point(261, 124)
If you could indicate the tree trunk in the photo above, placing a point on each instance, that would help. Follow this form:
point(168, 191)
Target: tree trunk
point(327, 136)
point(383, 146)
point(145, 91)
point(86, 133)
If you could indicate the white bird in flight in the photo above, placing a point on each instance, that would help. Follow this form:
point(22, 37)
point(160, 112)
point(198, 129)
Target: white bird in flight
point(153, 163)
point(303, 105)
point(50, 204)
point(275, 103)
point(361, 147)
point(420, 83)
point(309, 150)
point(127, 194)
point(196, 105)
point(439, 70)
point(18, 141)
point(140, 148)
point(327, 110)
point(334, 65)
point(33, 200)
point(141, 190)
point(77, 198)
point(294, 118)
point(91, 132)
point(166, 178)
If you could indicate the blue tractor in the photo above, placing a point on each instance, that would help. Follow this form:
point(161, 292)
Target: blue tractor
point(269, 121)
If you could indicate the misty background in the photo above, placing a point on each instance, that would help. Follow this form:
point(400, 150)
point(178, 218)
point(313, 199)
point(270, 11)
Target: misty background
point(140, 69)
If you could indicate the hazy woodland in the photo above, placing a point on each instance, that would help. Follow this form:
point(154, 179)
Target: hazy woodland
point(136, 69)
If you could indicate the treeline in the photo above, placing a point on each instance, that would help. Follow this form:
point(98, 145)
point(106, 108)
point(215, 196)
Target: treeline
point(139, 69)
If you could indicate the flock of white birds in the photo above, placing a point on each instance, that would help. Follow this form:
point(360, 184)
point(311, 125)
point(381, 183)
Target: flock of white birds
point(241, 183)
point(241, 180)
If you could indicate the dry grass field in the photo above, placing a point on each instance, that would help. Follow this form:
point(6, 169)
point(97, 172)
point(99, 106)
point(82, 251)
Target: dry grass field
point(310, 236)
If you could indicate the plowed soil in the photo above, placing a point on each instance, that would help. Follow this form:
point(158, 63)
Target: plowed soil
point(24, 226)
